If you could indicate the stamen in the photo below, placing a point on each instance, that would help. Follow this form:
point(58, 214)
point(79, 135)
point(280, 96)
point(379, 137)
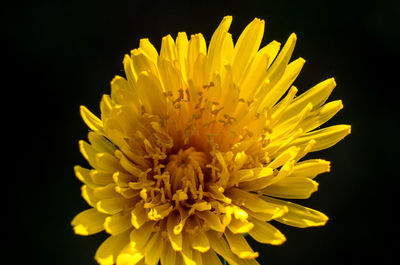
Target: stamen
point(187, 94)
point(180, 97)
point(197, 106)
point(215, 112)
point(209, 85)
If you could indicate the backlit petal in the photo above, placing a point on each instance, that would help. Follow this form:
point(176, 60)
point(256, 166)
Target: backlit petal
point(88, 222)
point(239, 246)
point(108, 251)
point(298, 215)
point(265, 233)
point(292, 188)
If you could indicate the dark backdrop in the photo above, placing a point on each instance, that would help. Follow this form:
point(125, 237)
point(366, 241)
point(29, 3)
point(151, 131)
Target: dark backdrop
point(58, 55)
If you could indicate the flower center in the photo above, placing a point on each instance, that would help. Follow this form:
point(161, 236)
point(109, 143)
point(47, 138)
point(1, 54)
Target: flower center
point(186, 173)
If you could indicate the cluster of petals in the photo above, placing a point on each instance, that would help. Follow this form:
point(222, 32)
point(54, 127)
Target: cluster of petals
point(199, 146)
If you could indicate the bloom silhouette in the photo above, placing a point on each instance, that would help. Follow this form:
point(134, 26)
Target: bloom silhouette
point(198, 145)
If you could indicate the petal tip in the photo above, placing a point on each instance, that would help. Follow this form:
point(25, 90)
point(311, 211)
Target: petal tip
point(80, 230)
point(227, 17)
point(333, 81)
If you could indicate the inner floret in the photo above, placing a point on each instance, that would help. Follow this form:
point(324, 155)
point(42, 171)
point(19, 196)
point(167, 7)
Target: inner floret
point(186, 170)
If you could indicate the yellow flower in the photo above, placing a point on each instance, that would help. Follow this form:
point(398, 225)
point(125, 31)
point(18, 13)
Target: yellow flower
point(196, 146)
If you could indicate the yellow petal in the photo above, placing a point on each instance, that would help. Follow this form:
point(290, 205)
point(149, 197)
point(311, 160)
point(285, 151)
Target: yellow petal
point(160, 211)
point(153, 249)
point(197, 49)
point(111, 206)
point(129, 257)
point(224, 175)
point(240, 159)
point(254, 185)
point(200, 206)
point(122, 94)
point(98, 160)
point(253, 174)
point(239, 246)
point(239, 227)
point(278, 67)
point(129, 72)
point(182, 45)
point(101, 177)
point(149, 49)
point(168, 255)
point(216, 193)
point(219, 245)
point(279, 109)
point(246, 47)
point(210, 258)
point(254, 78)
point(277, 147)
point(285, 128)
point(100, 143)
point(227, 50)
point(271, 50)
point(105, 107)
point(150, 92)
point(197, 258)
point(311, 168)
point(305, 150)
point(197, 45)
point(168, 48)
point(200, 242)
point(88, 194)
point(265, 233)
point(105, 192)
point(284, 157)
point(91, 120)
point(117, 224)
point(89, 153)
point(267, 217)
point(297, 215)
point(83, 174)
point(122, 179)
point(175, 239)
point(187, 254)
point(128, 193)
point(252, 202)
point(88, 222)
point(211, 220)
point(107, 162)
point(285, 171)
point(292, 188)
point(215, 50)
point(321, 115)
point(196, 81)
point(171, 77)
point(108, 251)
point(141, 62)
point(279, 89)
point(317, 96)
point(128, 165)
point(324, 138)
point(139, 237)
point(139, 215)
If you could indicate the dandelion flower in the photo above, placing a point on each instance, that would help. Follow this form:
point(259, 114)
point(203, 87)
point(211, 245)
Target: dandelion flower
point(199, 145)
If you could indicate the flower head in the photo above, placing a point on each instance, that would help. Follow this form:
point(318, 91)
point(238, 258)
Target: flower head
point(197, 145)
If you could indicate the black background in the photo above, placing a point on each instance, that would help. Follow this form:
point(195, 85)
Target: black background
point(58, 55)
